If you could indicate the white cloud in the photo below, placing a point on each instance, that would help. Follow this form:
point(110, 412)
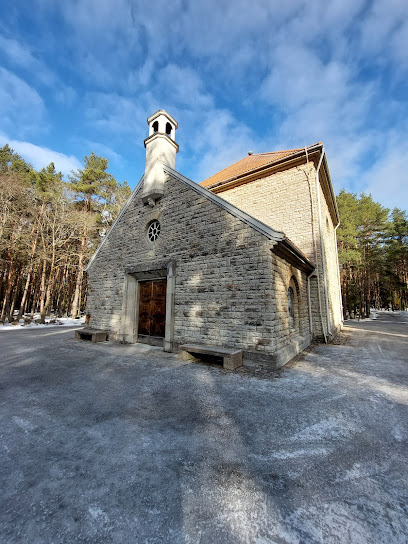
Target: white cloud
point(118, 114)
point(217, 139)
point(21, 107)
point(20, 55)
point(298, 76)
point(384, 31)
point(40, 157)
point(387, 178)
point(183, 87)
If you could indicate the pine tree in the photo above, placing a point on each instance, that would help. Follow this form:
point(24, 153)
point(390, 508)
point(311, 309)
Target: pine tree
point(90, 187)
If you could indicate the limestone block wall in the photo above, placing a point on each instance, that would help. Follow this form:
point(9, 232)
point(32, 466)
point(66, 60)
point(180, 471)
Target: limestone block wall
point(281, 200)
point(230, 289)
point(288, 202)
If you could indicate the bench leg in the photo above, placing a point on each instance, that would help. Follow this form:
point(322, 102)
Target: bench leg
point(233, 361)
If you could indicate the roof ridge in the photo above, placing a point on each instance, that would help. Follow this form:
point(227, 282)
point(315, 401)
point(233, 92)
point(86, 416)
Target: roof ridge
point(249, 163)
point(279, 151)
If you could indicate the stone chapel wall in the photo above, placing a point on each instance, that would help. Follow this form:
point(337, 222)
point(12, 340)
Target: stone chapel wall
point(287, 201)
point(231, 290)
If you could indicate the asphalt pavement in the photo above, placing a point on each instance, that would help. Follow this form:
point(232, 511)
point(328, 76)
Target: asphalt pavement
point(106, 443)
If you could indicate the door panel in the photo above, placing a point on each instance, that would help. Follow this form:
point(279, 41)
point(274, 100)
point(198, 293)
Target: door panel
point(144, 307)
point(152, 308)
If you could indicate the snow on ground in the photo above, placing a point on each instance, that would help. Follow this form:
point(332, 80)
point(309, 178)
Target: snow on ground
point(374, 314)
point(60, 321)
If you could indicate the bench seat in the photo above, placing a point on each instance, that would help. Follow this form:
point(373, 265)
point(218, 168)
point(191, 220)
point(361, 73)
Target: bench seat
point(232, 358)
point(95, 335)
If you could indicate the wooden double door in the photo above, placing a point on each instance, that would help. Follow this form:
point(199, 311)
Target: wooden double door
point(152, 308)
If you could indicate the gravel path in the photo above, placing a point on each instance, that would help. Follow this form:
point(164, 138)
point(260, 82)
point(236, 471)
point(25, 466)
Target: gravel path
point(104, 443)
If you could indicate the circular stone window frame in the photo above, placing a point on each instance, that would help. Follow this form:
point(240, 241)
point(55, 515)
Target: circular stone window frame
point(153, 230)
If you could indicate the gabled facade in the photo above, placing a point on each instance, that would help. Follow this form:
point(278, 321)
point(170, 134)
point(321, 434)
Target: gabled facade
point(183, 264)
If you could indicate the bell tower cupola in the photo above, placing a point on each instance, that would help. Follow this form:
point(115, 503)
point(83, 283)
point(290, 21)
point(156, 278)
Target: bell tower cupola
point(161, 149)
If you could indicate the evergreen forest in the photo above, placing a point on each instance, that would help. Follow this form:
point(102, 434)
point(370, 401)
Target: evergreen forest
point(50, 227)
point(373, 254)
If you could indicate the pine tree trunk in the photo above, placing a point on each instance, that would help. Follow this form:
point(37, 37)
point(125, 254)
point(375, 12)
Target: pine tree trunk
point(28, 280)
point(42, 292)
point(80, 275)
point(5, 312)
point(61, 300)
point(16, 291)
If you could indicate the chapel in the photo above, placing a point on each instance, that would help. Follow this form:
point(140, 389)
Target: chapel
point(246, 259)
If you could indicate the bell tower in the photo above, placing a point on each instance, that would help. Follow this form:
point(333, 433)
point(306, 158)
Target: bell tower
point(161, 148)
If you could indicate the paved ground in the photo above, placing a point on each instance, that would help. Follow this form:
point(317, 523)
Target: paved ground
point(119, 444)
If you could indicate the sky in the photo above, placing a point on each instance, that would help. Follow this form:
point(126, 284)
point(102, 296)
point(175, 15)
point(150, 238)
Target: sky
point(83, 75)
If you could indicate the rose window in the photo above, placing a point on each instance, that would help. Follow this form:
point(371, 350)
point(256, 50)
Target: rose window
point(153, 231)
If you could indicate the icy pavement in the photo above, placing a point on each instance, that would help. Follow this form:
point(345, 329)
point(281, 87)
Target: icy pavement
point(105, 443)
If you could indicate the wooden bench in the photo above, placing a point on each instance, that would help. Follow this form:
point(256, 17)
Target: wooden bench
point(232, 358)
point(95, 335)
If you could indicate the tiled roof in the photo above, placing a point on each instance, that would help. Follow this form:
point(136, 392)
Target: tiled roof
point(249, 163)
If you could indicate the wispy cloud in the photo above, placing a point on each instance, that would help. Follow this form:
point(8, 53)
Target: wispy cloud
point(384, 32)
point(386, 177)
point(235, 75)
point(21, 107)
point(116, 114)
point(20, 56)
point(217, 140)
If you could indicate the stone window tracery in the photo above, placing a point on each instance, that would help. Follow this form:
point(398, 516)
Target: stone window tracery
point(153, 230)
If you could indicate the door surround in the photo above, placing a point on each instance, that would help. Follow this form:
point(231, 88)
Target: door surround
point(130, 306)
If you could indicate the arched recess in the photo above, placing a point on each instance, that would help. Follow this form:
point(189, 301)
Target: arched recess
point(293, 296)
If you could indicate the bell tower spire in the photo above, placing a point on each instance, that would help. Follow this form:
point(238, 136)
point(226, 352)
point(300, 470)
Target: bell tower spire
point(161, 148)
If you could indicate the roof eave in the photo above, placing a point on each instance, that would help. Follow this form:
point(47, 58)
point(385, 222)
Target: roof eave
point(288, 251)
point(331, 190)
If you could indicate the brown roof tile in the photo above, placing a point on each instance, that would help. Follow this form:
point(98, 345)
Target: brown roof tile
point(249, 163)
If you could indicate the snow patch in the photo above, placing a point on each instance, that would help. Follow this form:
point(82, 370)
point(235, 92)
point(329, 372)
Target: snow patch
point(61, 321)
point(24, 424)
point(299, 453)
point(347, 522)
point(398, 434)
point(98, 514)
point(333, 428)
point(354, 473)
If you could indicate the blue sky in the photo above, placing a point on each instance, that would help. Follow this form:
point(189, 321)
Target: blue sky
point(82, 76)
